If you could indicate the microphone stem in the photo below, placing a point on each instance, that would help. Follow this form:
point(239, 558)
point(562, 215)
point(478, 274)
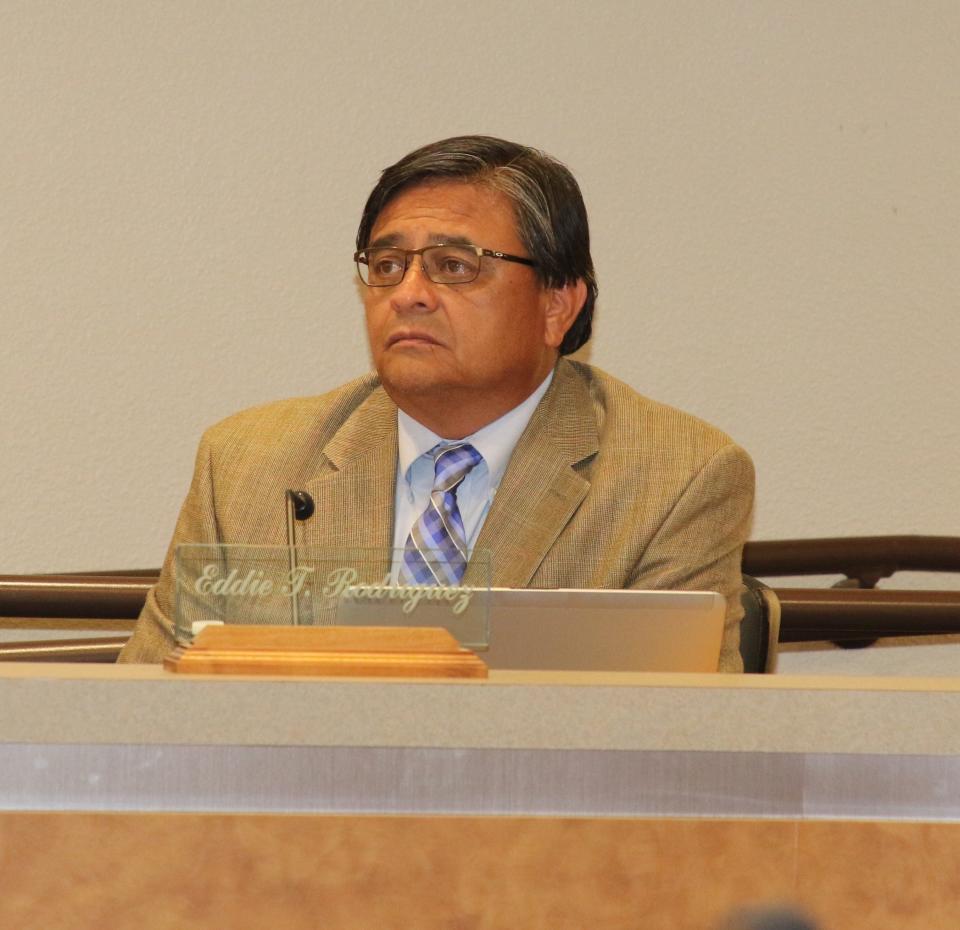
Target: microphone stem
point(292, 558)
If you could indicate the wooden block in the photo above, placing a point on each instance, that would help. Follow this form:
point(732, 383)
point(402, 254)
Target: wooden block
point(386, 652)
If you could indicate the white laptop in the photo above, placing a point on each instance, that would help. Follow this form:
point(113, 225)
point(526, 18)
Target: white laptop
point(581, 630)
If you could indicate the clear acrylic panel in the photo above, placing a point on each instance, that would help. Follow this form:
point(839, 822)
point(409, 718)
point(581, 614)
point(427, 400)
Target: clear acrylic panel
point(315, 586)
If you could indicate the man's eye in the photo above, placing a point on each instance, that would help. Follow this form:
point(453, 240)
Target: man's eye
point(456, 264)
point(386, 264)
point(452, 266)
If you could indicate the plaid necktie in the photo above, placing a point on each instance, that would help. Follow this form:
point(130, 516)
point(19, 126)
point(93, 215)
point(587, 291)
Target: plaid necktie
point(436, 549)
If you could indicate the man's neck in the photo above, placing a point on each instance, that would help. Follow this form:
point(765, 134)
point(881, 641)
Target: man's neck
point(451, 417)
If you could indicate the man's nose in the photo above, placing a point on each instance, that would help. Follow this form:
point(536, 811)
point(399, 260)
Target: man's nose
point(416, 291)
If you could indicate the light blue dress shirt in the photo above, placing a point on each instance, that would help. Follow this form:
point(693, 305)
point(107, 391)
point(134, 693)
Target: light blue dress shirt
point(495, 442)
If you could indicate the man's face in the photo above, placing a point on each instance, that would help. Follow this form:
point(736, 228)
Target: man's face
point(459, 355)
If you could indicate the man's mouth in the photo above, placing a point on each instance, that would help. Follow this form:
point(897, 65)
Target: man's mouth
point(412, 337)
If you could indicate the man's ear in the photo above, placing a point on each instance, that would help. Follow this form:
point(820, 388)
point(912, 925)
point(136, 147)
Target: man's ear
point(563, 305)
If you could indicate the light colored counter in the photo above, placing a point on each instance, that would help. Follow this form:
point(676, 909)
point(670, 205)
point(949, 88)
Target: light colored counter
point(132, 798)
point(98, 704)
point(138, 738)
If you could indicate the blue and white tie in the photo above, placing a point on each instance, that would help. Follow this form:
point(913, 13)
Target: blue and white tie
point(436, 549)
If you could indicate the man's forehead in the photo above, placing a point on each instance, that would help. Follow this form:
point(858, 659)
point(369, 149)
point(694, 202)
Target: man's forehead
point(443, 211)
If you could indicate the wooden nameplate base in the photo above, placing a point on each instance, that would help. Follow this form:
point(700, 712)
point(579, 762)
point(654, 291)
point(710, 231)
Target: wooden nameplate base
point(387, 652)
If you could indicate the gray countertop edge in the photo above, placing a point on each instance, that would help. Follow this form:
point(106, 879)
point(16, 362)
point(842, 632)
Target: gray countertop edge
point(55, 704)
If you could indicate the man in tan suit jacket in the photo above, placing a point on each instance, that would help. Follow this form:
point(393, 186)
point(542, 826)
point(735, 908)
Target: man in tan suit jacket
point(604, 488)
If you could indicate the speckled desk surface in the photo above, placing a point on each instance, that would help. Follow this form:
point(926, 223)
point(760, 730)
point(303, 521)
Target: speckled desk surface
point(51, 703)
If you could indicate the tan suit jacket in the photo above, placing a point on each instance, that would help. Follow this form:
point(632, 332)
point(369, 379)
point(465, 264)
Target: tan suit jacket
point(605, 489)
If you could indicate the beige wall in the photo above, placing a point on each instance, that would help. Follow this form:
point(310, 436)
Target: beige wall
point(774, 190)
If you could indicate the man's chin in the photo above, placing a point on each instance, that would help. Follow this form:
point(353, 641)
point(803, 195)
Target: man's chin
point(413, 381)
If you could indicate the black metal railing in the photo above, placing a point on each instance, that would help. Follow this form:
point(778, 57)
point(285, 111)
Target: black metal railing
point(111, 601)
point(864, 559)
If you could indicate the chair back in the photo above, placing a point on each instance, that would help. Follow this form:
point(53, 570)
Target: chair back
point(760, 627)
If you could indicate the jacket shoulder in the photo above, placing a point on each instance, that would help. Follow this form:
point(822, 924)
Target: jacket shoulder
point(313, 420)
point(628, 419)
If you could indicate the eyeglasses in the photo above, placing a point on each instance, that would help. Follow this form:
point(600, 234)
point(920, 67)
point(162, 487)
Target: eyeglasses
point(384, 266)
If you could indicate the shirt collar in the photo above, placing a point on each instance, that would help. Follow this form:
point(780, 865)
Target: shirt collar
point(494, 442)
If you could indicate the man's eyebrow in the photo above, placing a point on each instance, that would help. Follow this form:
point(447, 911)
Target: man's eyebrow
point(451, 240)
point(393, 240)
point(388, 240)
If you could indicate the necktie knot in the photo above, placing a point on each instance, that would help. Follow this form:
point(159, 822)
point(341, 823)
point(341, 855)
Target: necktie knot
point(452, 462)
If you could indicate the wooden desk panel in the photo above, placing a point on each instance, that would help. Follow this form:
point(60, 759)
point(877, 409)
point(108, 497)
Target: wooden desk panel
point(153, 872)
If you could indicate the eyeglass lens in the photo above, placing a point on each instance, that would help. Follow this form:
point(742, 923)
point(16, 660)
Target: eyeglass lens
point(443, 264)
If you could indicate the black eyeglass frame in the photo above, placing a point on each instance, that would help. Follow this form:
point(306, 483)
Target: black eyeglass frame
point(361, 257)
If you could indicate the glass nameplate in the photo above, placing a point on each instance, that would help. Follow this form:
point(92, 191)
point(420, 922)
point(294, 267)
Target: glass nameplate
point(314, 586)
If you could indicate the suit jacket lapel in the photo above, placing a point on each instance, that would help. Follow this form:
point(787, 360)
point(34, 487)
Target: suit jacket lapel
point(540, 490)
point(354, 488)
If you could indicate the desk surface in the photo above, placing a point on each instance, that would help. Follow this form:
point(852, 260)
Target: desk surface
point(138, 738)
point(510, 710)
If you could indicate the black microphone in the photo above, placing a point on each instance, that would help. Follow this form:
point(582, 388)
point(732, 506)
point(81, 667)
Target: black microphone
point(303, 506)
point(299, 507)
